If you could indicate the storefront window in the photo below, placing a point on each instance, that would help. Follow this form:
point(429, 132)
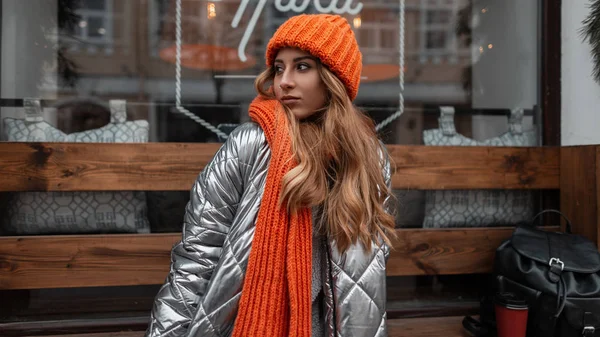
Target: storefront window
point(454, 53)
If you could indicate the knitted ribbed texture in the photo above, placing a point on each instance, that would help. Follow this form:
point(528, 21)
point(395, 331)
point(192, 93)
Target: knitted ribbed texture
point(276, 296)
point(327, 37)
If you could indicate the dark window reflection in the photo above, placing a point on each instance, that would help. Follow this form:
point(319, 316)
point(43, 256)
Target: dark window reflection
point(94, 4)
point(436, 40)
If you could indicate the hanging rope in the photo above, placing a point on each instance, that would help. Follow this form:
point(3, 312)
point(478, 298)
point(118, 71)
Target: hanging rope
point(178, 106)
point(400, 111)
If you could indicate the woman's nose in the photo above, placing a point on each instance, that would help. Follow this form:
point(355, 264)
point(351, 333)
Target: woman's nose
point(287, 80)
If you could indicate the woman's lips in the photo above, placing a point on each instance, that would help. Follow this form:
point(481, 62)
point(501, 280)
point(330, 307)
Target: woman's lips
point(290, 101)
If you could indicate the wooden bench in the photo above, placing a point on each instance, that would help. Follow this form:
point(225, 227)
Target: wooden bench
point(67, 261)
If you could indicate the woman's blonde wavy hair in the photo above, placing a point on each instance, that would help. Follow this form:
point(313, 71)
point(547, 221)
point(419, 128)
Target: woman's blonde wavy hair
point(340, 165)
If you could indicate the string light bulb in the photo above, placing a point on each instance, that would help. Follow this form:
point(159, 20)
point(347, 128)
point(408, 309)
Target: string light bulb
point(211, 10)
point(357, 22)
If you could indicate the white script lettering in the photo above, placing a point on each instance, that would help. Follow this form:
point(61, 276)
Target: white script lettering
point(291, 6)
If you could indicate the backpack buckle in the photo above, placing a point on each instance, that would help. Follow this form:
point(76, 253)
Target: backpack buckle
point(588, 331)
point(556, 261)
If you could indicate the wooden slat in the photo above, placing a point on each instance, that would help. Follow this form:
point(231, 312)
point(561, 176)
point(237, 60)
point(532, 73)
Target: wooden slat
point(84, 327)
point(578, 189)
point(101, 167)
point(598, 196)
point(84, 261)
point(102, 334)
point(427, 327)
point(452, 167)
point(174, 166)
point(403, 327)
point(111, 260)
point(445, 251)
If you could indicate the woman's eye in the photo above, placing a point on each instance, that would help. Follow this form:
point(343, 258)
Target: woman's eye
point(278, 70)
point(303, 66)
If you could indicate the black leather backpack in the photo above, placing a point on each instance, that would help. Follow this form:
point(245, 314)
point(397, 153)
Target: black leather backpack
point(559, 276)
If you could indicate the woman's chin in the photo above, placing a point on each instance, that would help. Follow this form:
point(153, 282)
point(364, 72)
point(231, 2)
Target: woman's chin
point(312, 116)
point(299, 113)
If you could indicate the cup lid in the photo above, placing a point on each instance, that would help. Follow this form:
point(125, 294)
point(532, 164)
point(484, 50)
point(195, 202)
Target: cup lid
point(512, 300)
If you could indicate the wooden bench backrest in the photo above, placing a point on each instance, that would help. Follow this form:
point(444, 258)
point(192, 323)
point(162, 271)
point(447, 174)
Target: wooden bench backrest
point(110, 260)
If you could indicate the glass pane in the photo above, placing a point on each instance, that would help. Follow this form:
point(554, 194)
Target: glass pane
point(436, 40)
point(96, 27)
point(94, 4)
point(438, 17)
point(467, 208)
point(462, 55)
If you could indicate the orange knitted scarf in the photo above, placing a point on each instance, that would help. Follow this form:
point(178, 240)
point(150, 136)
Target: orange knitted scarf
point(276, 296)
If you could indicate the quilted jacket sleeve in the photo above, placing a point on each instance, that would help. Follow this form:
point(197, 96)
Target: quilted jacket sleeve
point(213, 203)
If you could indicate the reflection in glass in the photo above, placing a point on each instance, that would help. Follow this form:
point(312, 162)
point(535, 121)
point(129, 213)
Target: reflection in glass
point(95, 27)
point(456, 53)
point(94, 4)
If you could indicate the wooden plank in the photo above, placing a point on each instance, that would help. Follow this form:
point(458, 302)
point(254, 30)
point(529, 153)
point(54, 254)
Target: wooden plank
point(174, 166)
point(137, 259)
point(598, 196)
point(403, 327)
point(445, 251)
point(427, 327)
point(551, 71)
point(84, 261)
point(452, 167)
point(578, 199)
point(101, 167)
point(102, 334)
point(92, 327)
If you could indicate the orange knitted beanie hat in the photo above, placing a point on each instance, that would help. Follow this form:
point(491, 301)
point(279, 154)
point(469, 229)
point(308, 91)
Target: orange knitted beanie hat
point(327, 37)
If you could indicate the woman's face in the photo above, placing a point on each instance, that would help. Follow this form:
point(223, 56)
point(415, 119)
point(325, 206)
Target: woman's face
point(297, 82)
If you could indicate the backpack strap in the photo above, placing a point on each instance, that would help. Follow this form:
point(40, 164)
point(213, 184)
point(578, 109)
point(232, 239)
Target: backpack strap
point(589, 330)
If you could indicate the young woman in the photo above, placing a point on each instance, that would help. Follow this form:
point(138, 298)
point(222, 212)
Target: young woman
point(287, 230)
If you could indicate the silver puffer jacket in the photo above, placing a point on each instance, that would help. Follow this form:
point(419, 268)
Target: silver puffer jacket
point(202, 291)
